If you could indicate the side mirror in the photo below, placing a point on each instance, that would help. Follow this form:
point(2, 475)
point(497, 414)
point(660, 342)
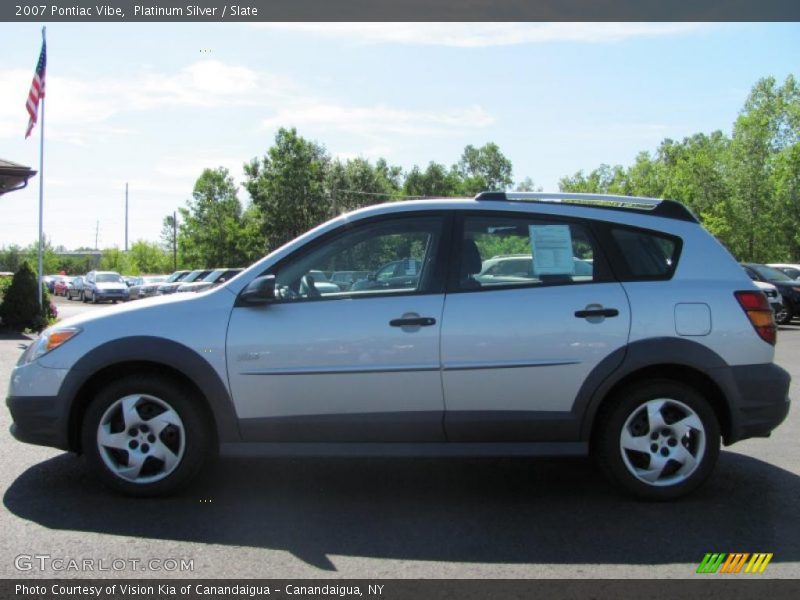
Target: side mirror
point(259, 291)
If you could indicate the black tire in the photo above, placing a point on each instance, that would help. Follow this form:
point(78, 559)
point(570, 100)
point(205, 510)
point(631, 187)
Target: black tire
point(619, 465)
point(199, 439)
point(784, 317)
point(94, 297)
point(83, 298)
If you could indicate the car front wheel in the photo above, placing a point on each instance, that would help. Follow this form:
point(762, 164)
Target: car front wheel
point(146, 436)
point(658, 440)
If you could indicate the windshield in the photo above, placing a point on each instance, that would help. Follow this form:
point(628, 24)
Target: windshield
point(154, 279)
point(194, 275)
point(214, 275)
point(177, 276)
point(109, 278)
point(770, 274)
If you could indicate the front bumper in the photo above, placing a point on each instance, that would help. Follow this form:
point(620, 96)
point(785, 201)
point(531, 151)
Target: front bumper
point(38, 420)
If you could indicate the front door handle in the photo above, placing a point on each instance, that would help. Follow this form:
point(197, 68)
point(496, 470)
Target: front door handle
point(596, 312)
point(413, 322)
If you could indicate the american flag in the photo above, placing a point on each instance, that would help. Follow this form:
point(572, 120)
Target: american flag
point(37, 88)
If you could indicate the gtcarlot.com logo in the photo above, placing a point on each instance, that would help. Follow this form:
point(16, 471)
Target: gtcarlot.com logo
point(738, 562)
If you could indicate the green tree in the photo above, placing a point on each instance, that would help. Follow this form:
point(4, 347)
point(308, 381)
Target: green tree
point(149, 257)
point(19, 309)
point(484, 168)
point(209, 230)
point(114, 259)
point(527, 185)
point(356, 183)
point(288, 185)
point(436, 181)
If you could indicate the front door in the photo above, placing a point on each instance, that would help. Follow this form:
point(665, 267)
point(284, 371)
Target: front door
point(356, 360)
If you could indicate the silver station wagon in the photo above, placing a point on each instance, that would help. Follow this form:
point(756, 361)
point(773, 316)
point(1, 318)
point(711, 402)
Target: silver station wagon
point(509, 324)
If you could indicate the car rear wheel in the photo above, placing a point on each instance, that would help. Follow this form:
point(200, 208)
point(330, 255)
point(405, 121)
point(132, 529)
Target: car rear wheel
point(83, 297)
point(783, 316)
point(658, 440)
point(146, 436)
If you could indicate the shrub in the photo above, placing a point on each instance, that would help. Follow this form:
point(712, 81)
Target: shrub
point(19, 309)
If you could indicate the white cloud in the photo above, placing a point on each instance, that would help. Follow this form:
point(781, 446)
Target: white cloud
point(77, 109)
point(477, 35)
point(83, 112)
point(381, 119)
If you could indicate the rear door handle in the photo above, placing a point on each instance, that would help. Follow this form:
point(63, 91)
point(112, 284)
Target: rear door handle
point(596, 312)
point(413, 322)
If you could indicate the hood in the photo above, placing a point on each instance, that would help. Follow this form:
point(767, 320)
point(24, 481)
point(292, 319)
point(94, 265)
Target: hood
point(110, 285)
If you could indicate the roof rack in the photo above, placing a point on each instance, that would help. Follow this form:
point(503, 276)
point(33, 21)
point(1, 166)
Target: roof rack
point(660, 208)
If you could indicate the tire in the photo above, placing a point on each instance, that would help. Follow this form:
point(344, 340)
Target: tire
point(663, 460)
point(784, 316)
point(164, 462)
point(94, 298)
point(83, 297)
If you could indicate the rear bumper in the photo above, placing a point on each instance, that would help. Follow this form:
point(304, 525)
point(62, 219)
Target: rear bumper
point(38, 420)
point(762, 401)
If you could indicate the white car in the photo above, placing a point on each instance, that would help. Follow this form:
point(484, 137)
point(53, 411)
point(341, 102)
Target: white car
point(664, 351)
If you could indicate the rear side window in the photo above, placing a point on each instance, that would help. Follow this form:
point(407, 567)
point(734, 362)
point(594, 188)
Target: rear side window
point(647, 254)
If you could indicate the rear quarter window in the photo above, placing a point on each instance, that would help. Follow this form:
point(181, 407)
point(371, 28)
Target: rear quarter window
point(646, 255)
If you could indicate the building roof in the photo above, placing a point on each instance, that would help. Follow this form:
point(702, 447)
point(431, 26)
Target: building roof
point(13, 176)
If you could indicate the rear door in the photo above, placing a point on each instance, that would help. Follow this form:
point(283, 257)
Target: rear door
point(518, 343)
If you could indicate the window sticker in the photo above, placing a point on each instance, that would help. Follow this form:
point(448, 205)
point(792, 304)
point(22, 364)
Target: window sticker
point(551, 246)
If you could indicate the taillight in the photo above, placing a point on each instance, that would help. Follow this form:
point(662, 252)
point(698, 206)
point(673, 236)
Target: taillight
point(756, 307)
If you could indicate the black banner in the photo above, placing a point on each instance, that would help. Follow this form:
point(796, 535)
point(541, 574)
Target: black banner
point(398, 10)
point(733, 588)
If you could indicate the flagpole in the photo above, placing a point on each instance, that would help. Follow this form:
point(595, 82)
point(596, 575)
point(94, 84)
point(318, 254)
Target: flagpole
point(41, 189)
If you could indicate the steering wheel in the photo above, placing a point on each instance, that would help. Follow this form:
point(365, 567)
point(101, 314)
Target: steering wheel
point(307, 286)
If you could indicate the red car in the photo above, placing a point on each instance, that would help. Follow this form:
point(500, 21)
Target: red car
point(61, 286)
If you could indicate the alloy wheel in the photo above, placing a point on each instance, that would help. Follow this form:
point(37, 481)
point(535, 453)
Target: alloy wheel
point(662, 442)
point(141, 438)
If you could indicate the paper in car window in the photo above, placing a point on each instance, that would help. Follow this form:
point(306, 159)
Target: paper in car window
point(551, 246)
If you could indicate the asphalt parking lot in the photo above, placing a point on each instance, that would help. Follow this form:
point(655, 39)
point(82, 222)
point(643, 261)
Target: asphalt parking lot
point(398, 518)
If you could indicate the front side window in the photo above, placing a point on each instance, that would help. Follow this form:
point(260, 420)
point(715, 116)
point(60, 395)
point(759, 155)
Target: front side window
point(520, 251)
point(387, 257)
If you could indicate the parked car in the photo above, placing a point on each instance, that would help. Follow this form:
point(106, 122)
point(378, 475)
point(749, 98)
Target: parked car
point(393, 275)
point(61, 285)
point(788, 287)
point(99, 286)
point(791, 270)
point(170, 287)
point(75, 289)
point(774, 298)
point(665, 351)
point(346, 279)
point(51, 280)
point(216, 277)
point(146, 286)
point(514, 268)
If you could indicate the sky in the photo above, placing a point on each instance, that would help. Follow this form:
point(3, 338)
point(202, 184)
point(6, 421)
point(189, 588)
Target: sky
point(155, 104)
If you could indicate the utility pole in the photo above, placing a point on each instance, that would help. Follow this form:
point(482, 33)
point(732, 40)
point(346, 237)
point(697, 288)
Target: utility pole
point(126, 216)
point(96, 233)
point(174, 241)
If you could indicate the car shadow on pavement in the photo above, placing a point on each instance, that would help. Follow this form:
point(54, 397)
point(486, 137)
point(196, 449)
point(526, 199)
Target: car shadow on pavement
point(518, 511)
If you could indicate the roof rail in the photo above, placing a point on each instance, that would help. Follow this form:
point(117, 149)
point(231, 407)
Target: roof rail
point(660, 208)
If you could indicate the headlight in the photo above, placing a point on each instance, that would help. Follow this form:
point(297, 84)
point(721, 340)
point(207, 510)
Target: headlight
point(49, 340)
